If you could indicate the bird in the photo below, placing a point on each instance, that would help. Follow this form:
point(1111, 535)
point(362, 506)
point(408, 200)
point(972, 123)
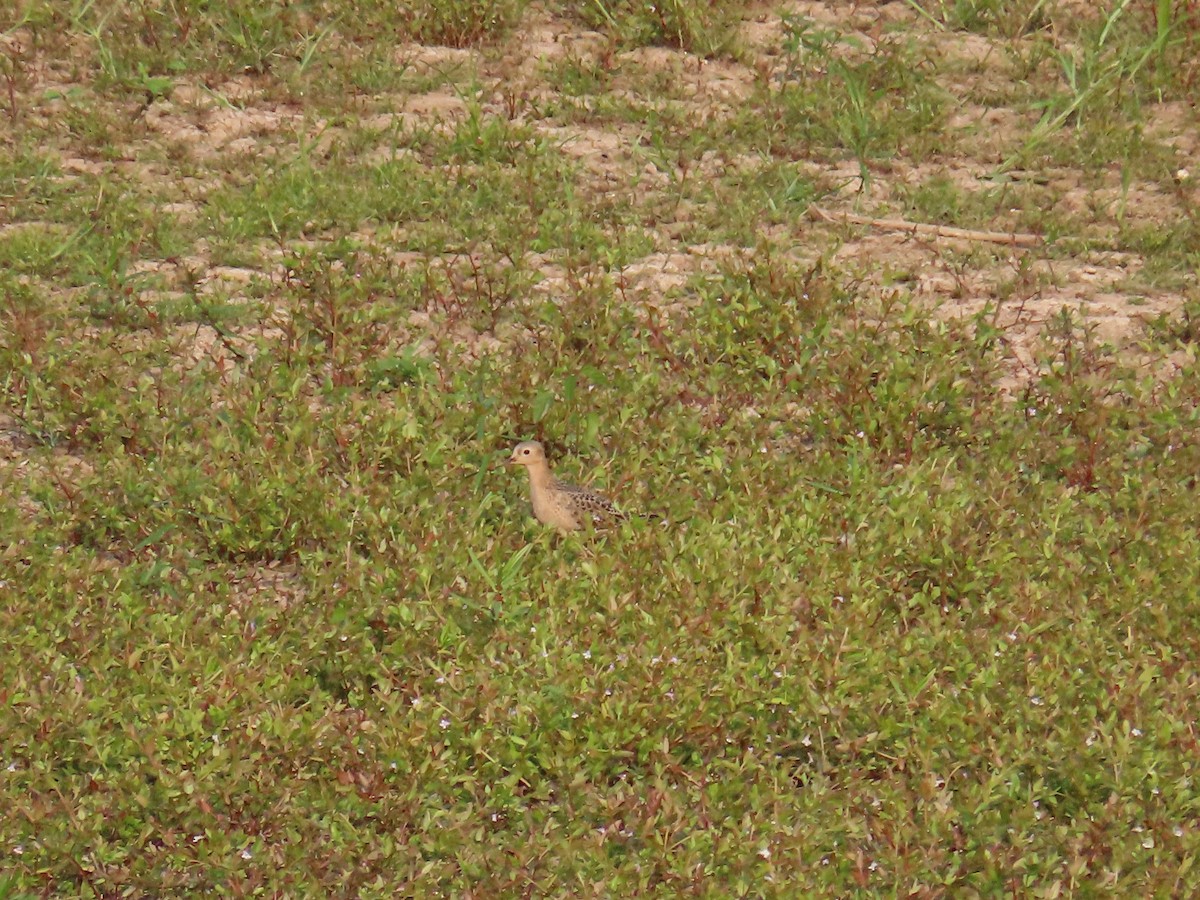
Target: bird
point(565, 506)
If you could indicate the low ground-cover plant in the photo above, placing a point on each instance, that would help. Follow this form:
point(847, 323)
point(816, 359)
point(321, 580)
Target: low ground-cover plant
point(916, 618)
point(306, 634)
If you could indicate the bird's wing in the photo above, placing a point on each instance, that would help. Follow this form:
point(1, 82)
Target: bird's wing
point(589, 503)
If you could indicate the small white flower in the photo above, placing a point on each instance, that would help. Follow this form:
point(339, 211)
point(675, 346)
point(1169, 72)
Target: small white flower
point(18, 850)
point(444, 723)
point(587, 654)
point(246, 854)
point(764, 852)
point(1137, 732)
point(1036, 700)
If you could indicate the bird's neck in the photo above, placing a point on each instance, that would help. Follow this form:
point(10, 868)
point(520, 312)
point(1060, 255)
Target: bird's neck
point(540, 477)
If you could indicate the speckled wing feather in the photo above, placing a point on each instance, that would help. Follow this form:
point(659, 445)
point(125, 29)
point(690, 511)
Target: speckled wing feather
point(584, 503)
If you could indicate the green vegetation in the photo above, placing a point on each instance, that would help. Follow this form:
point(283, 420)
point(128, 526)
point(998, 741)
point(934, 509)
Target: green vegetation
point(280, 285)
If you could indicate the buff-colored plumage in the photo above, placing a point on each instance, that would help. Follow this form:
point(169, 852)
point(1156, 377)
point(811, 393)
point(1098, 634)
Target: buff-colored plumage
point(565, 506)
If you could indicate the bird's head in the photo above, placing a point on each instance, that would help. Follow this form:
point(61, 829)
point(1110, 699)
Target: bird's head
point(527, 453)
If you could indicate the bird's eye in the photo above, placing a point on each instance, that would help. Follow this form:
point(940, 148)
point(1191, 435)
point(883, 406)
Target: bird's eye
point(525, 452)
